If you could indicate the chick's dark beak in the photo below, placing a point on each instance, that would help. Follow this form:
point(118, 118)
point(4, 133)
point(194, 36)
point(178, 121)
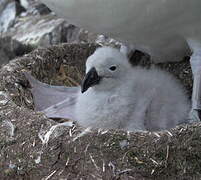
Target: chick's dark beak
point(90, 79)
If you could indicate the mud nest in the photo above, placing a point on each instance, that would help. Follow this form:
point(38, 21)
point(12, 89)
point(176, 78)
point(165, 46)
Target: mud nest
point(75, 153)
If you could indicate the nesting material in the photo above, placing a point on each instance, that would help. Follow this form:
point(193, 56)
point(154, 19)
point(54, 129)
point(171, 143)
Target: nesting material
point(176, 155)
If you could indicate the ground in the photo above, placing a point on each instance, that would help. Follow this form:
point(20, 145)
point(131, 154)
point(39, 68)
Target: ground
point(74, 153)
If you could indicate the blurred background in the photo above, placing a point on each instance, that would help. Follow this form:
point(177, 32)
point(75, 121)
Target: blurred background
point(28, 24)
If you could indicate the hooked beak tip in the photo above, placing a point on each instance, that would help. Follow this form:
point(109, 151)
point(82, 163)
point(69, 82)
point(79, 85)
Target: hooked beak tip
point(90, 79)
point(82, 90)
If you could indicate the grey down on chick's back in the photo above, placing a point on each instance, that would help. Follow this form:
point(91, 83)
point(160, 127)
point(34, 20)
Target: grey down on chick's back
point(116, 95)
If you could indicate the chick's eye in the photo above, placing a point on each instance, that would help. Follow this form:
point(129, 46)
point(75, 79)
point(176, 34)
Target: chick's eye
point(113, 68)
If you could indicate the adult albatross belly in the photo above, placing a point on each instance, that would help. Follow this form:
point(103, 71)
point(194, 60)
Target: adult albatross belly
point(168, 30)
point(159, 27)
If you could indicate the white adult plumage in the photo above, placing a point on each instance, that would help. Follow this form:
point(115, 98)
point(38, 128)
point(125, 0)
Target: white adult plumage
point(160, 27)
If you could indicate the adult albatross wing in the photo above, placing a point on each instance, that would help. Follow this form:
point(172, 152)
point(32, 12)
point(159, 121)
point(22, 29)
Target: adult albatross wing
point(54, 101)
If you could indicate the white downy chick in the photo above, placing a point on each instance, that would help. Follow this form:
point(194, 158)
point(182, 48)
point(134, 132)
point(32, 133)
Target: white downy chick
point(116, 95)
